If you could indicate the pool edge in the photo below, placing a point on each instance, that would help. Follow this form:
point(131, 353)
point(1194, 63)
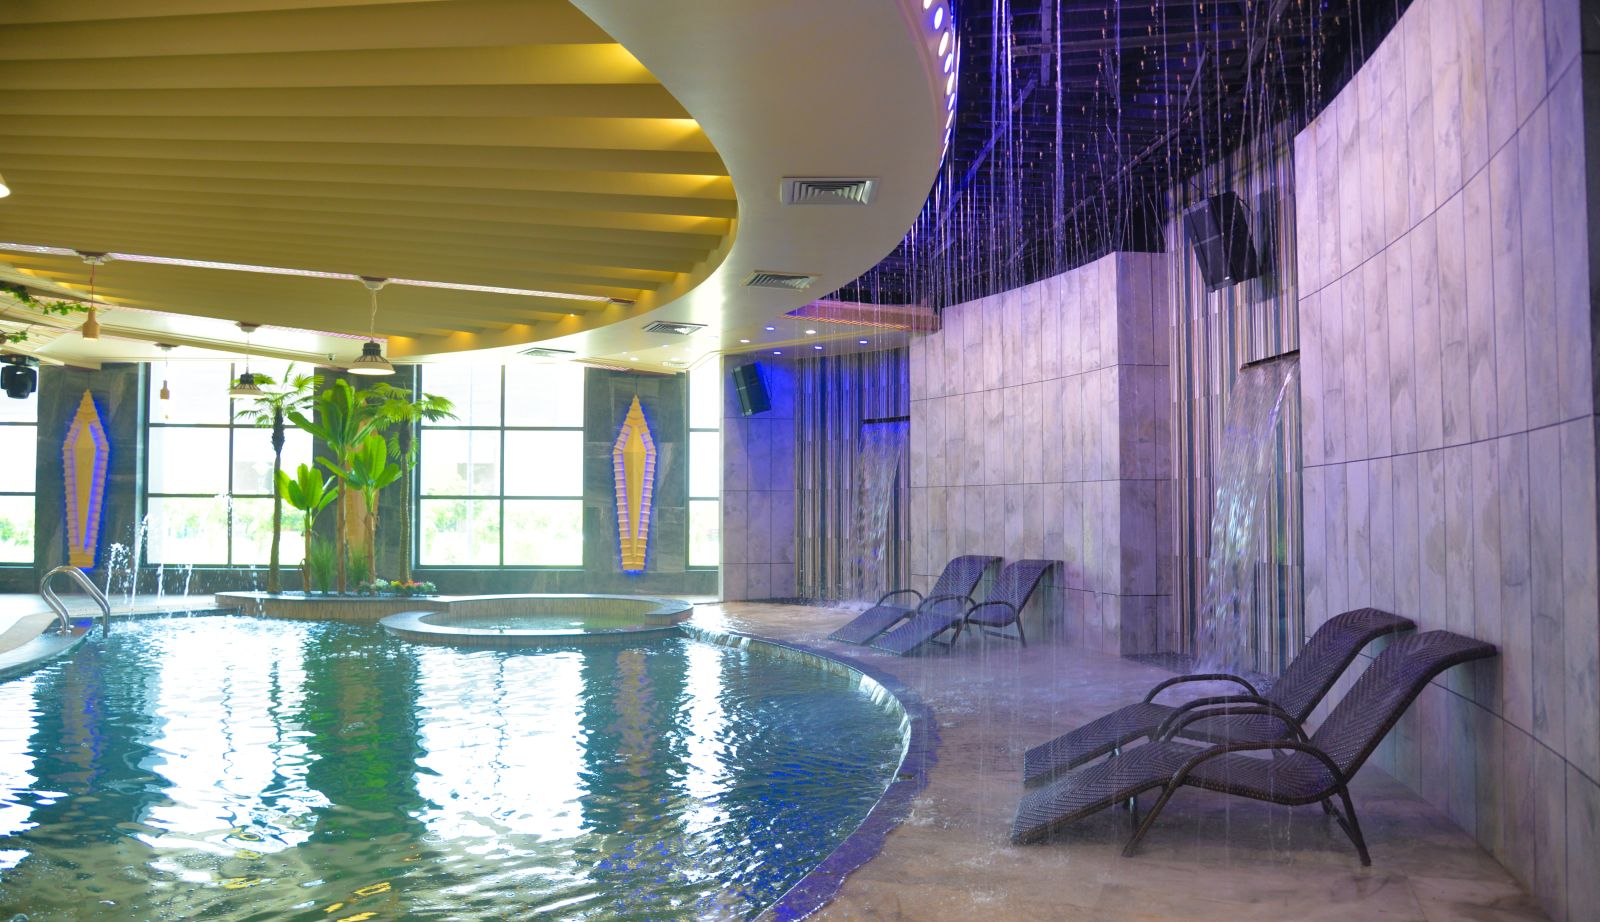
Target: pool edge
point(822, 883)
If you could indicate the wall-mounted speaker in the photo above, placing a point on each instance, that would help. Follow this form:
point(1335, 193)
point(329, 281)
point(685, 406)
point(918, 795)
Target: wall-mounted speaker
point(752, 390)
point(1219, 231)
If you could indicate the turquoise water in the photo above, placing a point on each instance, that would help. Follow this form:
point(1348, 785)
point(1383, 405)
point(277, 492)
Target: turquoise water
point(236, 768)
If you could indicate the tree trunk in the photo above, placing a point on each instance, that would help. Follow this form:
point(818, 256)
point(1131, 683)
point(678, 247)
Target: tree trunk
point(339, 538)
point(305, 562)
point(372, 540)
point(404, 439)
point(274, 577)
point(405, 523)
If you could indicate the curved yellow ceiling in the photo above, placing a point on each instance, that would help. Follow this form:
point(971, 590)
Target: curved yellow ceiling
point(503, 143)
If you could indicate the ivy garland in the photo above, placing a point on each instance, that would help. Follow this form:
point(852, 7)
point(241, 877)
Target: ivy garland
point(24, 297)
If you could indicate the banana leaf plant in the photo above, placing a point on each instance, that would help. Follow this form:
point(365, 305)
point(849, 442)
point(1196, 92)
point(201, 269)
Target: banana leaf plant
point(344, 420)
point(293, 394)
point(369, 470)
point(310, 493)
point(403, 411)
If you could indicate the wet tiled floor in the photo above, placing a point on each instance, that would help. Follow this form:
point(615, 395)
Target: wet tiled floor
point(1209, 858)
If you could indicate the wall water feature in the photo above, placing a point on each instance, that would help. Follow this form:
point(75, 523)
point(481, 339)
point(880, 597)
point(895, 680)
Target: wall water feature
point(878, 464)
point(1239, 628)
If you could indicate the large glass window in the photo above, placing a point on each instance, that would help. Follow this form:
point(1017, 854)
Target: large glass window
point(19, 433)
point(209, 475)
point(705, 464)
point(502, 484)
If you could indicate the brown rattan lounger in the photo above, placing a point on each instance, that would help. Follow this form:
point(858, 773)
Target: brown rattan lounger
point(1309, 677)
point(953, 591)
point(1004, 604)
point(1302, 771)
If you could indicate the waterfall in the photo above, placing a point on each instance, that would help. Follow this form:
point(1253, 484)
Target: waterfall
point(877, 466)
point(1230, 626)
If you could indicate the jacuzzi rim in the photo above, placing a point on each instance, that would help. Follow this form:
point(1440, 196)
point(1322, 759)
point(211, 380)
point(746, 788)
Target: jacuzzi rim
point(417, 626)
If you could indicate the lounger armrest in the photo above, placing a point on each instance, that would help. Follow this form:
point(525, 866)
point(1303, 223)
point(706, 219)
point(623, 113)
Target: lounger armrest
point(946, 597)
point(894, 592)
point(1199, 677)
point(1229, 706)
point(1183, 771)
point(1015, 614)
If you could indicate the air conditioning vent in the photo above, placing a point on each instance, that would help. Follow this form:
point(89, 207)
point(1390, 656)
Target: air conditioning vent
point(541, 352)
point(799, 190)
point(785, 280)
point(674, 329)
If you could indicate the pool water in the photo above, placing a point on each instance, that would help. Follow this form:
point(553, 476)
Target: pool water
point(240, 768)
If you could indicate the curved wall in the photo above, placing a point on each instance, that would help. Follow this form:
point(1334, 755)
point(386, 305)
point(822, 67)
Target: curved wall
point(1449, 430)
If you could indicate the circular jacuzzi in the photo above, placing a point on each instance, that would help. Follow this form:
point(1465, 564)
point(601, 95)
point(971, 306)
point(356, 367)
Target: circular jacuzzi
point(533, 620)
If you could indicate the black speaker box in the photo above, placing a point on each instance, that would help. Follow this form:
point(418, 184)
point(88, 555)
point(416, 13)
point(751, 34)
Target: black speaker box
point(752, 391)
point(1219, 231)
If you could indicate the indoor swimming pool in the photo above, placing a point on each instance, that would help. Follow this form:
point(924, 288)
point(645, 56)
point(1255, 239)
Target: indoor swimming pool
point(246, 768)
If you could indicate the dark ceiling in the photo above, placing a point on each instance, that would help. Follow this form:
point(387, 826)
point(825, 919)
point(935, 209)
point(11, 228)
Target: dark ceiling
point(1077, 118)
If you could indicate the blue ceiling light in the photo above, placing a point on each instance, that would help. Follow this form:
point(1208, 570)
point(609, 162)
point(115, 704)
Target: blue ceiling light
point(938, 17)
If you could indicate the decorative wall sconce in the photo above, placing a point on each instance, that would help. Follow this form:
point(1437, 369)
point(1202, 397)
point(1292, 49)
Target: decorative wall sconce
point(85, 455)
point(633, 463)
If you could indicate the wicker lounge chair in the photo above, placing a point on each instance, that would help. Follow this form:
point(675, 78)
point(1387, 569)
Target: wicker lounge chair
point(1010, 593)
point(953, 591)
point(1314, 669)
point(1301, 771)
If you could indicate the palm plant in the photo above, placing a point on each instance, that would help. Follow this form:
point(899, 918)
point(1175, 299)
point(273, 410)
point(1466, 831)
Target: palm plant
point(310, 493)
point(343, 420)
point(403, 411)
point(269, 411)
point(368, 472)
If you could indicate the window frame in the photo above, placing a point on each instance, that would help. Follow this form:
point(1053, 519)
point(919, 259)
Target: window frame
point(689, 496)
point(33, 445)
point(230, 427)
point(499, 498)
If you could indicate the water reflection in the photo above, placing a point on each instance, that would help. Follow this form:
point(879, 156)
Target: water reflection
point(241, 769)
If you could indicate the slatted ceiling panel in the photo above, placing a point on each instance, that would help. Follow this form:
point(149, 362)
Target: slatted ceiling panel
point(507, 143)
point(298, 301)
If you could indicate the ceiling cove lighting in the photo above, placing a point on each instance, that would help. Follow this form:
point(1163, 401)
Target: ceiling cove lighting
point(5, 189)
point(371, 362)
point(308, 273)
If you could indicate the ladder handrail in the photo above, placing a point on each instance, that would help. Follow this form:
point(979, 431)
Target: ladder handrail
point(60, 608)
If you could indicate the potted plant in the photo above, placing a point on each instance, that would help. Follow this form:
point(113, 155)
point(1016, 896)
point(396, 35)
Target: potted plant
point(310, 493)
point(343, 420)
point(403, 411)
point(270, 410)
point(368, 471)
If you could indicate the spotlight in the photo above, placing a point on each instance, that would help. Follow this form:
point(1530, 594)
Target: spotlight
point(16, 378)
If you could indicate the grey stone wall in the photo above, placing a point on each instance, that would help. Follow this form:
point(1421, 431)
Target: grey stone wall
point(1449, 423)
point(758, 485)
point(1039, 429)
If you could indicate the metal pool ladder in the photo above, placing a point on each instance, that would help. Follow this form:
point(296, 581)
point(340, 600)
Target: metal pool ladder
point(60, 608)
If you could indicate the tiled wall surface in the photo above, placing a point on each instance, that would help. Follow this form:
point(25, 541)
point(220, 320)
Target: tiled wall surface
point(758, 486)
point(1039, 429)
point(1449, 429)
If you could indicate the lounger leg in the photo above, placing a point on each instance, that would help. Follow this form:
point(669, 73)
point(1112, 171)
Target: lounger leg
point(1149, 820)
point(1021, 636)
point(1352, 828)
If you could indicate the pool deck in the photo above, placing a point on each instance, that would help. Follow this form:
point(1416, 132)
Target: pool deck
point(24, 617)
point(1210, 857)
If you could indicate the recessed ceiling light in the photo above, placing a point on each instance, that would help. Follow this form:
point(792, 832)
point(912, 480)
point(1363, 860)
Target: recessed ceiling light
point(944, 43)
point(811, 332)
point(951, 103)
point(927, 3)
point(770, 329)
point(862, 341)
point(633, 358)
point(950, 84)
point(938, 17)
point(949, 61)
point(744, 340)
point(777, 352)
point(816, 347)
